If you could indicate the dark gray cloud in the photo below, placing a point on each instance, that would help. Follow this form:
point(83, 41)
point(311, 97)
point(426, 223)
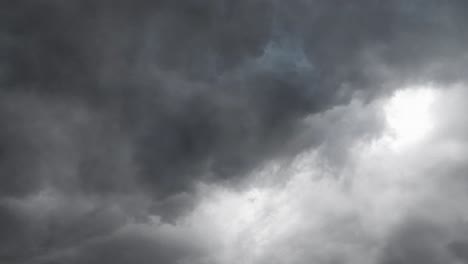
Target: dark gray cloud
point(427, 239)
point(213, 88)
point(418, 241)
point(120, 108)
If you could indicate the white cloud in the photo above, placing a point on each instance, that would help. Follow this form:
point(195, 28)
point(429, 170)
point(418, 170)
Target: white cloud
point(408, 114)
point(331, 216)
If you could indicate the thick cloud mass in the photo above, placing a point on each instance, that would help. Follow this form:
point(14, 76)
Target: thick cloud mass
point(128, 125)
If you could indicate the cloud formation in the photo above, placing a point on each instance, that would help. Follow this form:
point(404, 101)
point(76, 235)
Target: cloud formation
point(203, 131)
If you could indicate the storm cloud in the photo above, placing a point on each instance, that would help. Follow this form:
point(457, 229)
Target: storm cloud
point(213, 131)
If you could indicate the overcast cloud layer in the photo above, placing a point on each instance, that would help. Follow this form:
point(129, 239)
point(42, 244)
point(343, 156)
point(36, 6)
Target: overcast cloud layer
point(227, 132)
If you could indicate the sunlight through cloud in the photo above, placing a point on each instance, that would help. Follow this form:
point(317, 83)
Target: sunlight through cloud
point(408, 115)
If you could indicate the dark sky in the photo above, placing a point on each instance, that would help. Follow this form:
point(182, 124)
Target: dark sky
point(226, 132)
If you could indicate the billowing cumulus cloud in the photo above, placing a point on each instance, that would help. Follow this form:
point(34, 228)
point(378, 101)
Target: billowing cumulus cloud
point(213, 131)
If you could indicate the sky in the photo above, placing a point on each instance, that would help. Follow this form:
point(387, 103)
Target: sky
point(227, 132)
